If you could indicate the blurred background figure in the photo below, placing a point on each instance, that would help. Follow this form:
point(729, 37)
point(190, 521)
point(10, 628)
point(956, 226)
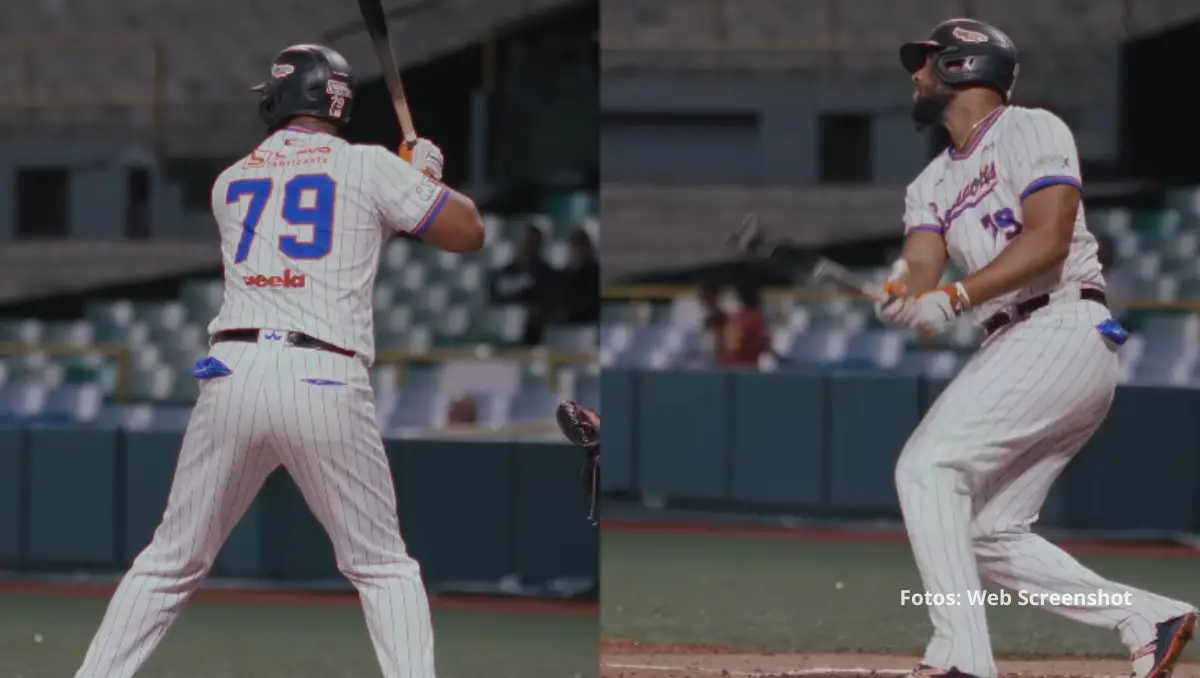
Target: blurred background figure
point(745, 334)
point(529, 282)
point(580, 280)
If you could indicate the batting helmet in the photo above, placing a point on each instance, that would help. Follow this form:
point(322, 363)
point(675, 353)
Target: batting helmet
point(307, 80)
point(966, 52)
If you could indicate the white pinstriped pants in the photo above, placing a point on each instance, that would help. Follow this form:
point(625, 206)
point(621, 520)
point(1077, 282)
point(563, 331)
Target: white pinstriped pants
point(977, 470)
point(243, 427)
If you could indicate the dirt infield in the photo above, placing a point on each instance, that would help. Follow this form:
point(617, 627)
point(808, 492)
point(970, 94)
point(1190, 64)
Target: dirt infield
point(630, 659)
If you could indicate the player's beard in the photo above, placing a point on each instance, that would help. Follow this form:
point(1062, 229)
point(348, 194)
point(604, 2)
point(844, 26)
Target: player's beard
point(928, 108)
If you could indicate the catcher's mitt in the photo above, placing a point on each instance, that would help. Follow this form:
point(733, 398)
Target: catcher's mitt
point(582, 427)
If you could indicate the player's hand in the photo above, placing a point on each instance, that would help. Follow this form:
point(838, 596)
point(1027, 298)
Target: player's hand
point(424, 156)
point(898, 308)
point(935, 311)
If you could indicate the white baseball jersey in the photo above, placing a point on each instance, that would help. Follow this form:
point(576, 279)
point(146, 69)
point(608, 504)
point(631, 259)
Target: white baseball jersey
point(303, 218)
point(972, 196)
point(974, 475)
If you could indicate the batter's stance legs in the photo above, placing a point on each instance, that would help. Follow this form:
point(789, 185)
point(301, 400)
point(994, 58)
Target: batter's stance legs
point(336, 456)
point(975, 473)
point(216, 479)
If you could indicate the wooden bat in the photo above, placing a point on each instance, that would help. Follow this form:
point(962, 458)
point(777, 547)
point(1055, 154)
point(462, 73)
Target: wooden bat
point(372, 11)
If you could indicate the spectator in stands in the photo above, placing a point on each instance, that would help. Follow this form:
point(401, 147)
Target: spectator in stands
point(462, 411)
point(580, 301)
point(745, 334)
point(528, 280)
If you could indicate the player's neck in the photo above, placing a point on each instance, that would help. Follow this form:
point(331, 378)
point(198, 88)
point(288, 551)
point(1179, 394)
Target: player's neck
point(307, 124)
point(963, 117)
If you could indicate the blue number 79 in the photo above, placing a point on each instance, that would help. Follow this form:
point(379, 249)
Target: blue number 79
point(319, 215)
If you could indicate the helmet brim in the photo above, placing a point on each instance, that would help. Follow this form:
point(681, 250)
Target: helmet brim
point(913, 54)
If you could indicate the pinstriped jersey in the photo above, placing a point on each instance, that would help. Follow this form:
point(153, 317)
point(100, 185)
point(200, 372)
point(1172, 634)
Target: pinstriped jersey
point(972, 196)
point(303, 219)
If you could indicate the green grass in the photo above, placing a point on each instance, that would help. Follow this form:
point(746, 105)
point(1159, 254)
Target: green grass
point(236, 640)
point(780, 595)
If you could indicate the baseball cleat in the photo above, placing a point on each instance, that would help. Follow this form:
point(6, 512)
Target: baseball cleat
point(927, 671)
point(1158, 658)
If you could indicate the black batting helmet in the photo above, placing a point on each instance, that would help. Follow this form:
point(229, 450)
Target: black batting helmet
point(966, 52)
point(307, 80)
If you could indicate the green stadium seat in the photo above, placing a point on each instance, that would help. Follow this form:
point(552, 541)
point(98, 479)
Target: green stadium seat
point(21, 331)
point(504, 323)
point(202, 299)
point(566, 210)
point(501, 254)
point(572, 339)
point(35, 369)
point(624, 312)
point(534, 376)
point(169, 314)
point(135, 334)
point(453, 322)
point(71, 333)
point(1186, 200)
point(1109, 222)
point(1154, 221)
point(396, 256)
point(413, 278)
point(90, 369)
point(840, 314)
point(184, 388)
point(154, 383)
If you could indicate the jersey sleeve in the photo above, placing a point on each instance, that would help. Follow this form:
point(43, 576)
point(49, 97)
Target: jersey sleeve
point(1040, 152)
point(918, 214)
point(407, 200)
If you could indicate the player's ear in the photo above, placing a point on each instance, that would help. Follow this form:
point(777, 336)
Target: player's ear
point(457, 226)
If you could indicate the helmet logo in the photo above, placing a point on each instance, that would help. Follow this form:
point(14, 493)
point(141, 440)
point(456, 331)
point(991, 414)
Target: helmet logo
point(337, 88)
point(282, 70)
point(973, 37)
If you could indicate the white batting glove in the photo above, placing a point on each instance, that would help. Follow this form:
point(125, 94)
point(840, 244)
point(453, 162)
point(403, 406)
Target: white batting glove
point(897, 309)
point(935, 311)
point(425, 157)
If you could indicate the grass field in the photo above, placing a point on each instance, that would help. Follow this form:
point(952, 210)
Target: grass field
point(227, 639)
point(781, 595)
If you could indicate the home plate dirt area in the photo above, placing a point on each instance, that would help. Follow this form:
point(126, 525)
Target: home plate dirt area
point(631, 659)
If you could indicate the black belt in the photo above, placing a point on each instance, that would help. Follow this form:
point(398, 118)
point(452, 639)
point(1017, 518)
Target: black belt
point(1001, 319)
point(297, 339)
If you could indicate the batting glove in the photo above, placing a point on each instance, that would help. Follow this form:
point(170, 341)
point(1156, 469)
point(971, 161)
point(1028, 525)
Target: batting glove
point(424, 156)
point(897, 309)
point(935, 311)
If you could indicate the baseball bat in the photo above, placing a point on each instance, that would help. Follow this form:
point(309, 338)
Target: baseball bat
point(376, 22)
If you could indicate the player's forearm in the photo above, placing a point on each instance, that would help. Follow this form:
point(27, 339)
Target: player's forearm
point(1028, 256)
point(925, 257)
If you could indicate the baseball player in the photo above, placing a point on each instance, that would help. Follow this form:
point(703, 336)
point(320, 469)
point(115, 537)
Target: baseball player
point(302, 221)
point(1003, 202)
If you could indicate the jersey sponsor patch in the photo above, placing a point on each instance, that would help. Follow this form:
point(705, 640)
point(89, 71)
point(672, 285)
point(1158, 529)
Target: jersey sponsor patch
point(289, 280)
